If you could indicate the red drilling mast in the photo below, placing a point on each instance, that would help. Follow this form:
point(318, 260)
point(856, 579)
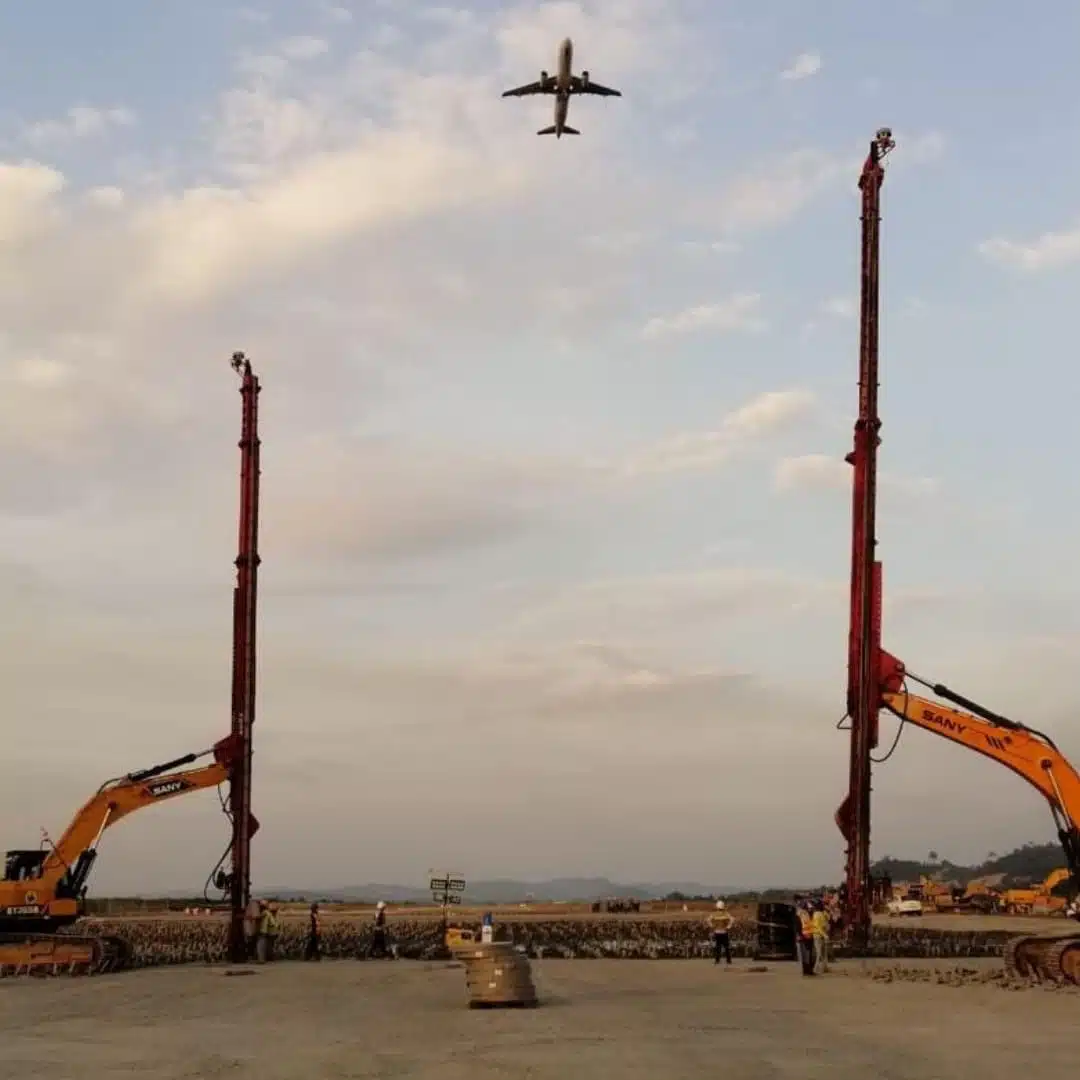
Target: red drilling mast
point(244, 824)
point(864, 639)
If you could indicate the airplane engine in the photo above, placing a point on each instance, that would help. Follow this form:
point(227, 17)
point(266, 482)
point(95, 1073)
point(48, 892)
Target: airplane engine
point(584, 78)
point(543, 76)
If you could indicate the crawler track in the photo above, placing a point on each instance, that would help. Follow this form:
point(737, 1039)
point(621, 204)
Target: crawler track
point(60, 954)
point(1049, 959)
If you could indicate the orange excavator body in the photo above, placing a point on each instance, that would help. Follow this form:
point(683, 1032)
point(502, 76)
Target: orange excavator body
point(1031, 755)
point(43, 890)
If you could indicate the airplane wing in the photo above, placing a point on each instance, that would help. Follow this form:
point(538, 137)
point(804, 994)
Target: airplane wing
point(547, 87)
point(577, 86)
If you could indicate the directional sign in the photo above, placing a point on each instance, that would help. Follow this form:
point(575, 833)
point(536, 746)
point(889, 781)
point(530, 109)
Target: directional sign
point(438, 884)
point(455, 884)
point(453, 899)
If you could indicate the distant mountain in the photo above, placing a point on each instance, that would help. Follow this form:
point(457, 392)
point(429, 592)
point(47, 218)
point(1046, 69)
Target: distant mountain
point(504, 891)
point(1029, 863)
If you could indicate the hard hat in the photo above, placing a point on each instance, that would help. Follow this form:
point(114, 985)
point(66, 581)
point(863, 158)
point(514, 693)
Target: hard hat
point(719, 905)
point(381, 904)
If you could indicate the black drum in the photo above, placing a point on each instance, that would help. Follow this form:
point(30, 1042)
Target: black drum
point(777, 932)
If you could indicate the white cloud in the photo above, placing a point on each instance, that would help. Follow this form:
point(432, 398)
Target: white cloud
point(802, 67)
point(820, 472)
point(80, 122)
point(109, 198)
point(717, 247)
point(617, 243)
point(841, 307)
point(27, 192)
point(765, 415)
point(740, 312)
point(922, 149)
point(1048, 251)
point(303, 48)
point(640, 604)
point(775, 192)
point(336, 13)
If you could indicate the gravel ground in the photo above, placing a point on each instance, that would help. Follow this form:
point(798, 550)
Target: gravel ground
point(598, 1019)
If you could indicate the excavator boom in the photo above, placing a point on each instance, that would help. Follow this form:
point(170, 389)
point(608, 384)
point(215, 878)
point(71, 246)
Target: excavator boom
point(1052, 957)
point(42, 890)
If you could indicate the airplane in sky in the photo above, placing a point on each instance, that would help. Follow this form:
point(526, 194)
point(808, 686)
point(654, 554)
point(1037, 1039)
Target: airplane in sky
point(562, 85)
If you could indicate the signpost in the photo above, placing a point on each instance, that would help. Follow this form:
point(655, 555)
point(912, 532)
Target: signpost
point(446, 889)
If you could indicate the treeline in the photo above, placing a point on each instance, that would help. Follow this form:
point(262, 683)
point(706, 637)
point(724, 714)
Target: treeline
point(1026, 864)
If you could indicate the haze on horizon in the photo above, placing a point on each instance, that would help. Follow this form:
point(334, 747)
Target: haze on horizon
point(555, 515)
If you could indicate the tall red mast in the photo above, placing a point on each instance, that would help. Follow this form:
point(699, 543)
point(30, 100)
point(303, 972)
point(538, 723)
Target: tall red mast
point(864, 639)
point(244, 824)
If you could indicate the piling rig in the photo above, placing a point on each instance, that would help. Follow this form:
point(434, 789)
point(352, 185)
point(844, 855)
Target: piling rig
point(878, 681)
point(43, 890)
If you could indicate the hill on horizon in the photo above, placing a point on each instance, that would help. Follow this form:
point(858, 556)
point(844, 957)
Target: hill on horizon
point(505, 891)
point(1026, 864)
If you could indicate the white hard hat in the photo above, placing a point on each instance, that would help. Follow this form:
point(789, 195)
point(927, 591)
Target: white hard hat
point(381, 904)
point(719, 905)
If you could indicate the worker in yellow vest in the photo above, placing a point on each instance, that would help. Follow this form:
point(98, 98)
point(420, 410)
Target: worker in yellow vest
point(819, 925)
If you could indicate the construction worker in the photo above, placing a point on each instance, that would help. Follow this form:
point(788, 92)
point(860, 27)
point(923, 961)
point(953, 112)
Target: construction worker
point(251, 927)
point(819, 924)
point(806, 938)
point(262, 933)
point(720, 922)
point(268, 932)
point(377, 948)
point(311, 949)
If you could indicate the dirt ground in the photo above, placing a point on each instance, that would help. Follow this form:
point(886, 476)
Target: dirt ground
point(661, 1020)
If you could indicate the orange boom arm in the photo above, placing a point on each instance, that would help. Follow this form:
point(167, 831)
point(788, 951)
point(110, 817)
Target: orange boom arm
point(1027, 752)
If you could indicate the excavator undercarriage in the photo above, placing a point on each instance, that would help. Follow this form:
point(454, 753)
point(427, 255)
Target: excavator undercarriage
point(1050, 958)
point(61, 954)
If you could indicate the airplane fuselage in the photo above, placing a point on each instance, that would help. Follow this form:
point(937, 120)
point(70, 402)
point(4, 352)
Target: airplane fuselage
point(562, 85)
point(566, 62)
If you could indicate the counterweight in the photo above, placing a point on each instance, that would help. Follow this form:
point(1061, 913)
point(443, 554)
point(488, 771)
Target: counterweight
point(243, 682)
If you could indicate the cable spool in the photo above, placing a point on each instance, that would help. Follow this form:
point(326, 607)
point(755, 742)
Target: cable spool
point(776, 932)
point(497, 975)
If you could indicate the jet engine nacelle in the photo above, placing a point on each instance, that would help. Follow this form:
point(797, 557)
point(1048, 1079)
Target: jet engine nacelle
point(543, 76)
point(584, 78)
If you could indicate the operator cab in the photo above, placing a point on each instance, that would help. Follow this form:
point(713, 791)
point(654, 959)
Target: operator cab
point(23, 865)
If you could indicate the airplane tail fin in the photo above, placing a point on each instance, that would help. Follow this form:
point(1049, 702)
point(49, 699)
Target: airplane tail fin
point(570, 131)
point(551, 131)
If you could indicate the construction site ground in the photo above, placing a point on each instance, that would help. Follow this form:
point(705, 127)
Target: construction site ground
point(631, 1019)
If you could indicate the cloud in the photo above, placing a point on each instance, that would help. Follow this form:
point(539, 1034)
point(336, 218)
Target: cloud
point(1049, 251)
point(767, 414)
point(336, 13)
point(303, 48)
point(739, 312)
point(345, 500)
point(80, 122)
point(718, 247)
point(803, 66)
point(820, 472)
point(774, 191)
point(841, 307)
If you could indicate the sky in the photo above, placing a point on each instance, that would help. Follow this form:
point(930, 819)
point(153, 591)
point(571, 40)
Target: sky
point(555, 519)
